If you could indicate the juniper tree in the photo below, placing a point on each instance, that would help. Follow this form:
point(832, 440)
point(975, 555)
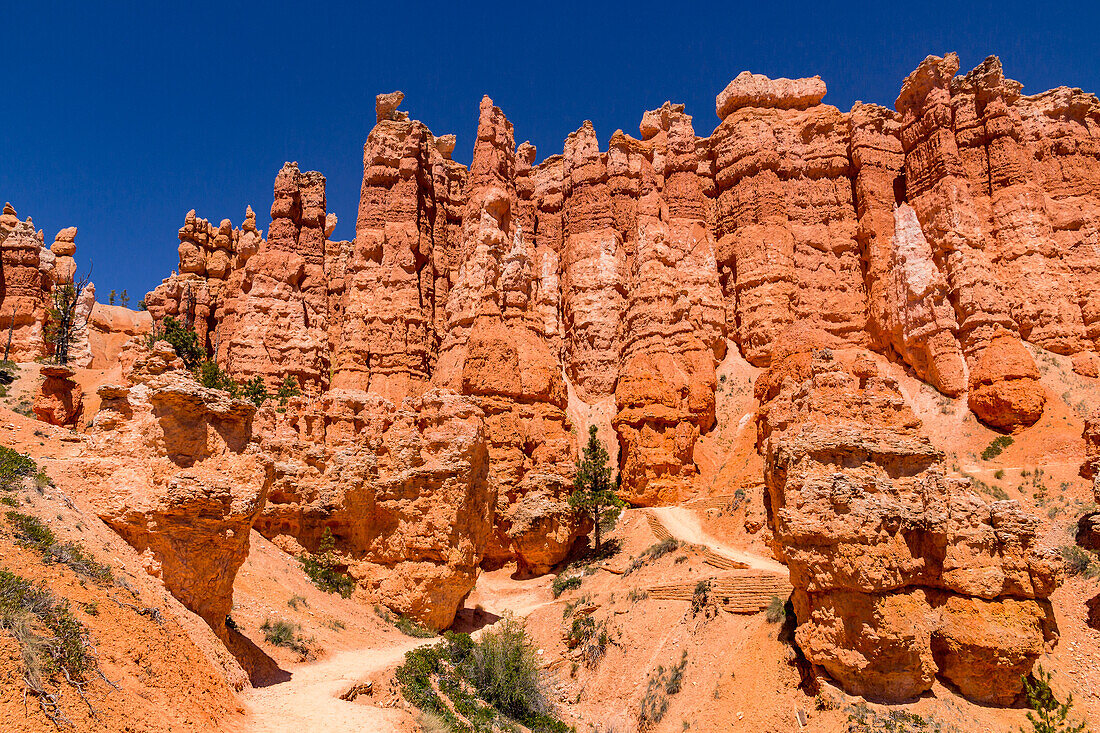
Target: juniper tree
point(593, 492)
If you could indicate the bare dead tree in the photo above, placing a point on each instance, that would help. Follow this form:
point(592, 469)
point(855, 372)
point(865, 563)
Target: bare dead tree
point(61, 325)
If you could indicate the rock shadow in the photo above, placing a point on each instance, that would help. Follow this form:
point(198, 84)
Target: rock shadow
point(469, 620)
point(263, 671)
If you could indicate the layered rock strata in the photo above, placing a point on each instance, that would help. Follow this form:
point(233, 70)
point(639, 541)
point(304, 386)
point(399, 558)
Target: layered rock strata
point(901, 573)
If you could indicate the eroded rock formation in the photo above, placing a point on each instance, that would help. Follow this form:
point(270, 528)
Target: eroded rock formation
point(403, 490)
point(179, 480)
point(622, 275)
point(901, 572)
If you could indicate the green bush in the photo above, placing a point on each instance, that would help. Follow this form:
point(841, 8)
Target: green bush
point(995, 448)
point(662, 683)
point(1047, 715)
point(32, 533)
point(285, 634)
point(651, 553)
point(776, 611)
point(185, 341)
point(484, 686)
point(254, 391)
point(563, 583)
point(504, 669)
point(1079, 561)
point(324, 568)
point(404, 624)
point(700, 596)
point(287, 389)
point(14, 468)
point(212, 376)
point(52, 642)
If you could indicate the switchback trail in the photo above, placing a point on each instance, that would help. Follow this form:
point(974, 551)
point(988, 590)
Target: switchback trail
point(682, 524)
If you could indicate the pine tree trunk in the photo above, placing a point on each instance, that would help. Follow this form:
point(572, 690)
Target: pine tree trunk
point(597, 529)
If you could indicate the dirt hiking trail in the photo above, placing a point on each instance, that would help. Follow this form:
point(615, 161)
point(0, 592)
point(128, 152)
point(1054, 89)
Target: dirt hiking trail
point(684, 526)
point(312, 696)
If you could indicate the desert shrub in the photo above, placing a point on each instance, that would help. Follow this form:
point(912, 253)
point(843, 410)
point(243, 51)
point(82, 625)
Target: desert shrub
point(212, 376)
point(699, 597)
point(995, 448)
point(592, 637)
point(404, 624)
point(52, 642)
point(662, 683)
point(504, 669)
point(563, 583)
point(9, 501)
point(324, 568)
point(776, 611)
point(14, 468)
point(32, 533)
point(1047, 715)
point(651, 553)
point(1079, 561)
point(285, 634)
point(185, 342)
point(295, 601)
point(482, 686)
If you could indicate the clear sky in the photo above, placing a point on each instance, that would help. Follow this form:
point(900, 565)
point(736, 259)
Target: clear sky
point(118, 118)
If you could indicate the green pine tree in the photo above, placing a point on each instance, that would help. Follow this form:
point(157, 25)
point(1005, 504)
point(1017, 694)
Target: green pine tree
point(593, 493)
point(287, 389)
point(254, 391)
point(1047, 714)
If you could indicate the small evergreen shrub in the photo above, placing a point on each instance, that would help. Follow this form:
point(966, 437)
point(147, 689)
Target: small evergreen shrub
point(254, 391)
point(212, 376)
point(563, 583)
point(185, 342)
point(1047, 715)
point(995, 448)
point(287, 389)
point(324, 567)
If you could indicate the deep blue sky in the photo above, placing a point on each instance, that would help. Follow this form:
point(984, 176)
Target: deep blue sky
point(119, 118)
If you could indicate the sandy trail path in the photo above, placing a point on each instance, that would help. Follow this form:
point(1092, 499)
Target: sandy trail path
point(684, 525)
point(310, 699)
